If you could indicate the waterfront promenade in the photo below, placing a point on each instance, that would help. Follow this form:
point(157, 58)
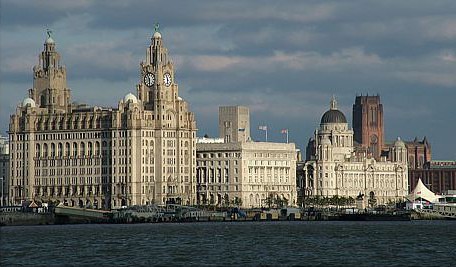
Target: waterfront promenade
point(178, 214)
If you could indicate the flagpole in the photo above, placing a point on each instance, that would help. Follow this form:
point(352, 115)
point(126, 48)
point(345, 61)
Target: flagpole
point(287, 136)
point(265, 129)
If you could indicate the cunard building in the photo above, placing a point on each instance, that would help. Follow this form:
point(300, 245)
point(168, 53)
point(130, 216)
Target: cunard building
point(141, 152)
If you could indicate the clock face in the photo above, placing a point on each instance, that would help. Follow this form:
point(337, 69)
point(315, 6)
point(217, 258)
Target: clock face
point(374, 139)
point(167, 79)
point(149, 79)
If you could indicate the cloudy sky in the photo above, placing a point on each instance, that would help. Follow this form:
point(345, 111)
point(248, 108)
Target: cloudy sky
point(282, 59)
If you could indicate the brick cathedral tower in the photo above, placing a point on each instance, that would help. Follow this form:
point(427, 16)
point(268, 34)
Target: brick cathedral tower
point(368, 124)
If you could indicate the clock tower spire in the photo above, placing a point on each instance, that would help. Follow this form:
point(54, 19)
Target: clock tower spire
point(170, 125)
point(157, 74)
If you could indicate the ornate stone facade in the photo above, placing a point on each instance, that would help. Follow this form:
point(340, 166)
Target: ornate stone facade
point(249, 171)
point(338, 171)
point(141, 152)
point(235, 170)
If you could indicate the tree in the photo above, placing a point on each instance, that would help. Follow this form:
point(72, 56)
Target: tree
point(284, 202)
point(238, 201)
point(226, 201)
point(269, 200)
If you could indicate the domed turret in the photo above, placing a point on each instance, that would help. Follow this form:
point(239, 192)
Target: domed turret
point(157, 35)
point(28, 102)
point(130, 98)
point(333, 115)
point(49, 40)
point(399, 143)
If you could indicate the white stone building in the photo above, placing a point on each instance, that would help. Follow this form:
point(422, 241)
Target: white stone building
point(338, 171)
point(242, 171)
point(141, 152)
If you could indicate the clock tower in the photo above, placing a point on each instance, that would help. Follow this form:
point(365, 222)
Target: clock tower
point(157, 86)
point(169, 130)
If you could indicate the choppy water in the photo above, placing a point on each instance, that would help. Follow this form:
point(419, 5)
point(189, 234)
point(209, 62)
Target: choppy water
point(416, 243)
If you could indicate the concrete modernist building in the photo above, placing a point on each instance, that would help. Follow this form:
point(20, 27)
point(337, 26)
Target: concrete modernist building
point(338, 171)
point(234, 124)
point(244, 172)
point(141, 152)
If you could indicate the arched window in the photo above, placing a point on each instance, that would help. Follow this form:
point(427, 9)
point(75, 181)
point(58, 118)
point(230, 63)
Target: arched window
point(83, 151)
point(90, 148)
point(75, 149)
point(52, 150)
point(97, 148)
point(42, 100)
point(38, 150)
point(67, 149)
point(60, 147)
point(45, 150)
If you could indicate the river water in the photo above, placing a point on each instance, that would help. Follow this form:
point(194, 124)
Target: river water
point(415, 243)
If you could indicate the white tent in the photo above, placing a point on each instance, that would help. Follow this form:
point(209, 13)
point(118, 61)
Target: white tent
point(422, 192)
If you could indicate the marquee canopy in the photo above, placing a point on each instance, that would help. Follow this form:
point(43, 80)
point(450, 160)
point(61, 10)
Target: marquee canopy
point(422, 192)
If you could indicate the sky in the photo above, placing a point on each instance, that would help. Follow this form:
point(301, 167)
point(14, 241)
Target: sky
point(282, 59)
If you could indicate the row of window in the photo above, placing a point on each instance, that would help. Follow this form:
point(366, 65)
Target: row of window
point(72, 180)
point(215, 163)
point(218, 155)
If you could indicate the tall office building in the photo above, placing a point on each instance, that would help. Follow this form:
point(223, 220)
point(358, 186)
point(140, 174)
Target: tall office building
point(141, 152)
point(368, 124)
point(234, 124)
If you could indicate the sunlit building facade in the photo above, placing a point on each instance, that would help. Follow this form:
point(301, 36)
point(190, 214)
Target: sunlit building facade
point(141, 152)
point(234, 170)
point(336, 170)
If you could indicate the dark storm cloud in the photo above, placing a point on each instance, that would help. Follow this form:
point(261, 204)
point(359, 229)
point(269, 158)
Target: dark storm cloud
point(283, 59)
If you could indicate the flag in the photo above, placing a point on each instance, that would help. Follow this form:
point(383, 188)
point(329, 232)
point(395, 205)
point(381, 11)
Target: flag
point(284, 131)
point(263, 127)
point(241, 129)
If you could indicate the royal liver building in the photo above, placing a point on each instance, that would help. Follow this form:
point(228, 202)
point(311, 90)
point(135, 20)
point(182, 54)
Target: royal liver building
point(141, 152)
